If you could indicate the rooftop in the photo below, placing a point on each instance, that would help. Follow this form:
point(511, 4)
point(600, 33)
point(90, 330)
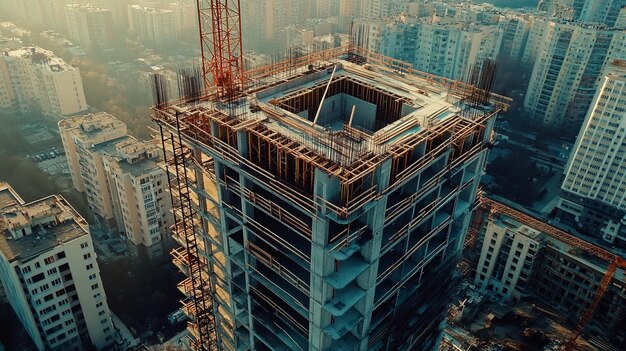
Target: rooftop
point(137, 158)
point(87, 8)
point(40, 57)
point(29, 229)
point(94, 126)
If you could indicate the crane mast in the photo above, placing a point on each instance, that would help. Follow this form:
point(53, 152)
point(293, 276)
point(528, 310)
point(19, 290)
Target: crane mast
point(219, 22)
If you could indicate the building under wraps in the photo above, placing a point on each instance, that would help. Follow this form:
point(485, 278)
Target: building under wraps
point(326, 207)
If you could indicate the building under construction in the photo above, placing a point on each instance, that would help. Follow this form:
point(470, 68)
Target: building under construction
point(324, 206)
point(520, 257)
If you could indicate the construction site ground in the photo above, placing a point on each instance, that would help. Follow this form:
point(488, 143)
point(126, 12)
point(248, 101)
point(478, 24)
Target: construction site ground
point(523, 326)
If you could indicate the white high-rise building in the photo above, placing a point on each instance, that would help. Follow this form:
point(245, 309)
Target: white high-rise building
point(594, 188)
point(566, 73)
point(50, 275)
point(516, 29)
point(448, 50)
point(588, 11)
point(35, 80)
point(90, 26)
point(152, 25)
point(185, 19)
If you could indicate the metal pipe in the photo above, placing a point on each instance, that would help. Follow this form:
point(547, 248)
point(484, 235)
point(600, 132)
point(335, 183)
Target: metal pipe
point(351, 116)
point(319, 108)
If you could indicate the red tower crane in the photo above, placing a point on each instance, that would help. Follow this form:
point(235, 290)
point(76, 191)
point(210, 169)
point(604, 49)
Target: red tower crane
point(219, 22)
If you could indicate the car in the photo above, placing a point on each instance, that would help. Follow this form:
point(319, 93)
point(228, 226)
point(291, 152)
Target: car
point(52, 155)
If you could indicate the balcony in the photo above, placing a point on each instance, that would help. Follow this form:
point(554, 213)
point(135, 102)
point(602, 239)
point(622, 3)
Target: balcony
point(186, 287)
point(188, 308)
point(181, 259)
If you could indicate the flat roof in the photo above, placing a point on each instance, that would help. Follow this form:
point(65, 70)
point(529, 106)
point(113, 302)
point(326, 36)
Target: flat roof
point(70, 225)
point(91, 125)
point(41, 57)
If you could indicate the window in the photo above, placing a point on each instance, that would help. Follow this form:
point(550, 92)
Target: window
point(52, 271)
point(57, 281)
point(26, 270)
point(44, 287)
point(94, 287)
point(92, 277)
point(87, 255)
point(48, 297)
point(61, 255)
point(37, 277)
point(101, 313)
point(89, 266)
point(84, 245)
point(49, 260)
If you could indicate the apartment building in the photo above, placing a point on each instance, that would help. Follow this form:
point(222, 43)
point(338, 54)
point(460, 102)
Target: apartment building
point(50, 275)
point(138, 185)
point(34, 80)
point(80, 136)
point(536, 36)
point(515, 32)
point(567, 71)
point(265, 23)
point(603, 12)
point(519, 259)
point(152, 25)
point(122, 178)
point(594, 189)
point(90, 26)
point(185, 19)
point(447, 50)
point(507, 257)
point(40, 14)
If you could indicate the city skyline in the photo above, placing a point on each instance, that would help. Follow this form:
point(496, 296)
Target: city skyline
point(312, 174)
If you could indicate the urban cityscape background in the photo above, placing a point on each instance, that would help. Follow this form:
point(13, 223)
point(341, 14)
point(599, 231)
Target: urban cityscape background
point(312, 175)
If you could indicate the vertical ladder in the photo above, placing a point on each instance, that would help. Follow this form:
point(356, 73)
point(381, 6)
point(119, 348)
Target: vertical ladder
point(187, 225)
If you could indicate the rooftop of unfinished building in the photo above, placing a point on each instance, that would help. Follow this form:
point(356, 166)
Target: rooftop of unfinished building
point(52, 219)
point(367, 108)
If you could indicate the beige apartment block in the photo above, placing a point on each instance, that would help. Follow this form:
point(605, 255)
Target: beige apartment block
point(138, 185)
point(81, 137)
